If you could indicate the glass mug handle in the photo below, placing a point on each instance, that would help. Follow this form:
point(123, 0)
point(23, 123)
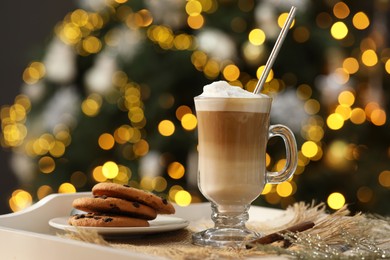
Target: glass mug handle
point(291, 154)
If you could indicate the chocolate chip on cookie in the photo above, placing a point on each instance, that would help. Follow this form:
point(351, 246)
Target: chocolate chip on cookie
point(100, 204)
point(126, 192)
point(99, 220)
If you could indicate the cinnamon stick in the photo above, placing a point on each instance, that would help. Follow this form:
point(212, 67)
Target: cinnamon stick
point(277, 236)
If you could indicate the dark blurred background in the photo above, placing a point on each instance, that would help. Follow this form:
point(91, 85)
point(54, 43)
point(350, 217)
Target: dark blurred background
point(25, 27)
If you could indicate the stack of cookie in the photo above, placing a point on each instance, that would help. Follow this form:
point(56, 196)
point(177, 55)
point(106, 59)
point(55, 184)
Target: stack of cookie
point(116, 205)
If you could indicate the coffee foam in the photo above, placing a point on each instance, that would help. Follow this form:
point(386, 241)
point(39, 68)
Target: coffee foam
point(221, 96)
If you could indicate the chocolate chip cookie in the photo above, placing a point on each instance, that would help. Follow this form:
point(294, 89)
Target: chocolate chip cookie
point(162, 206)
point(110, 205)
point(101, 220)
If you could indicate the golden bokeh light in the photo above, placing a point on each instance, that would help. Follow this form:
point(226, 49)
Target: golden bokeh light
point(344, 111)
point(346, 98)
point(176, 170)
point(195, 22)
point(272, 198)
point(124, 175)
point(279, 165)
point(182, 110)
point(162, 35)
point(189, 122)
point(358, 116)
point(141, 148)
point(110, 170)
point(209, 6)
point(256, 37)
point(231, 72)
point(387, 66)
point(173, 190)
point(126, 133)
point(69, 33)
point(159, 184)
point(341, 10)
point(337, 153)
point(143, 18)
point(378, 117)
point(136, 114)
point(98, 175)
point(336, 200)
point(106, 141)
point(267, 189)
point(91, 105)
point(370, 107)
point(384, 179)
point(369, 58)
point(312, 106)
point(14, 133)
point(183, 198)
point(302, 159)
point(284, 189)
point(166, 128)
point(361, 21)
point(183, 42)
point(19, 200)
point(304, 92)
point(91, 44)
point(34, 72)
point(282, 19)
point(309, 149)
point(339, 30)
point(43, 191)
point(314, 132)
point(199, 59)
point(146, 183)
point(66, 188)
point(335, 121)
point(46, 164)
point(211, 69)
point(260, 71)
point(351, 65)
point(63, 135)
point(267, 160)
point(57, 149)
point(193, 8)
point(79, 17)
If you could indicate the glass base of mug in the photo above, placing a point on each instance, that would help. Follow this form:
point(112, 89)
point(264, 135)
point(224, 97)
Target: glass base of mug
point(224, 237)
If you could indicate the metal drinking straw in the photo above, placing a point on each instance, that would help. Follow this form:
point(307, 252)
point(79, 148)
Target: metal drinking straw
point(275, 50)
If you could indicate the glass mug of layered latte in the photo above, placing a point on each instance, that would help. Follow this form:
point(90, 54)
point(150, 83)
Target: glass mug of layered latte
point(233, 131)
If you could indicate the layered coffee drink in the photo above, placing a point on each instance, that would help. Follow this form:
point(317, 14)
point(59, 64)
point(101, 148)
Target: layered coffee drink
point(233, 133)
point(234, 128)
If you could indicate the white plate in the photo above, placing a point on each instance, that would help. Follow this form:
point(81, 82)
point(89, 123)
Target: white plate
point(158, 225)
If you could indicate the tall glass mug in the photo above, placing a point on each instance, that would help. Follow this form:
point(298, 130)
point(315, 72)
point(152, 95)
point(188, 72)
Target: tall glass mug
point(233, 135)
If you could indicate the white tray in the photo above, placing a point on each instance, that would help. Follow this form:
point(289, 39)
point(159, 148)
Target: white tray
point(27, 234)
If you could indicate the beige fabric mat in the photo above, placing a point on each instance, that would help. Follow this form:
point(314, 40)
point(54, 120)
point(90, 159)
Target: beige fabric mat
point(331, 229)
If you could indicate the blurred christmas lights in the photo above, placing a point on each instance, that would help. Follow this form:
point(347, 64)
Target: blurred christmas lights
point(88, 33)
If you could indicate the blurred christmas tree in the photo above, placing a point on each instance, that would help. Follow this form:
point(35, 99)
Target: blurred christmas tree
point(111, 97)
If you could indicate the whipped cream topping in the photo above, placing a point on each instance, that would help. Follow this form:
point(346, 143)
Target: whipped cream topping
point(220, 96)
point(223, 89)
